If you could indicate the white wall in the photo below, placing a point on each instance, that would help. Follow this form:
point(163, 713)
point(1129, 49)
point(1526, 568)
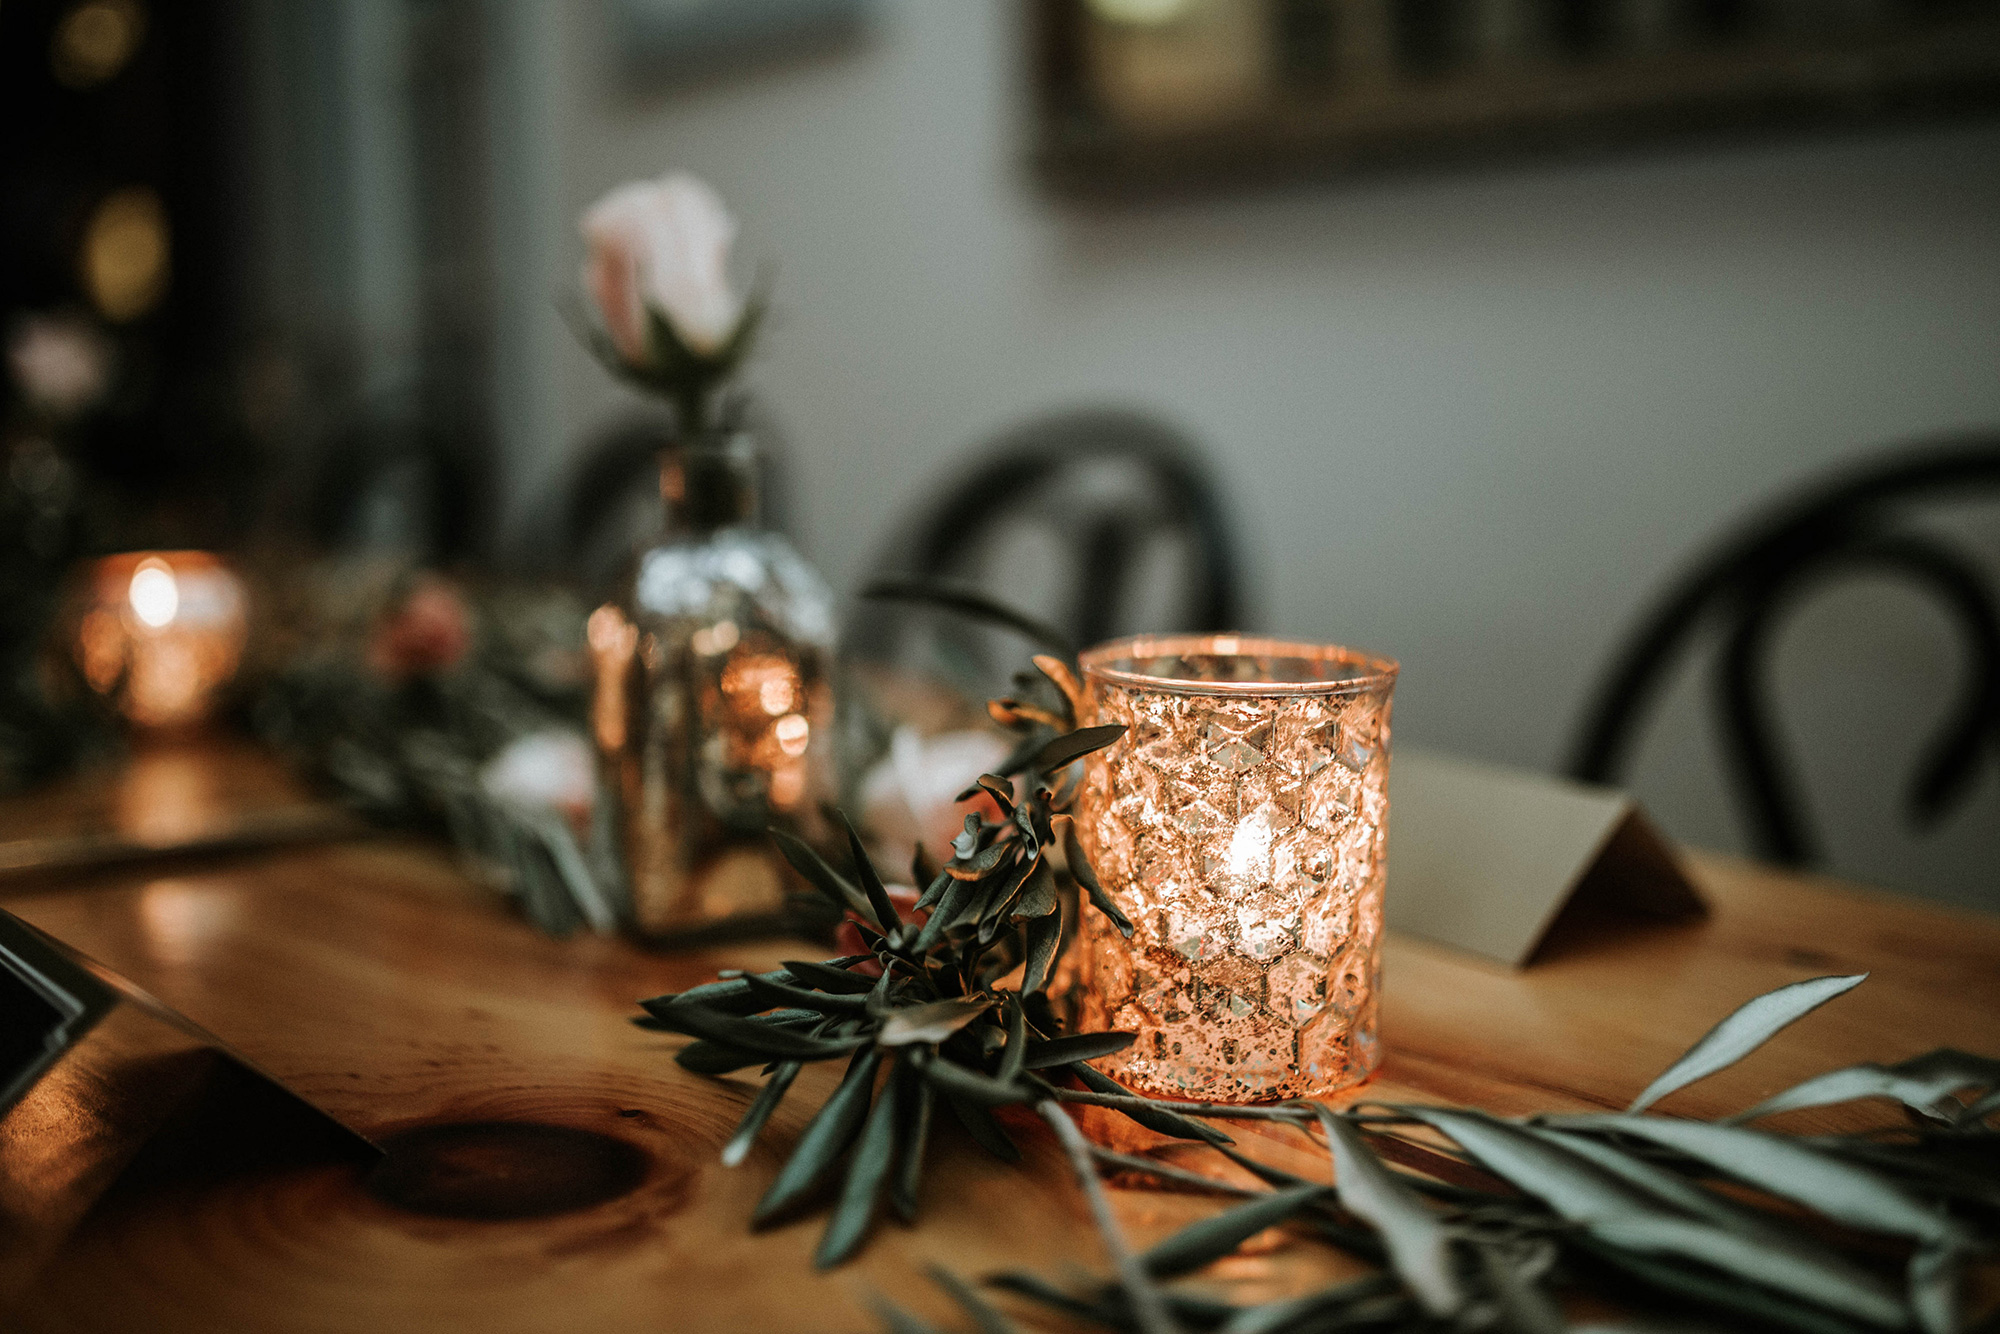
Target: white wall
point(1467, 419)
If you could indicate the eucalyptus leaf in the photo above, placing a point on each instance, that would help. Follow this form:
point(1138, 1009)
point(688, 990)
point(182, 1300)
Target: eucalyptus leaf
point(861, 1192)
point(826, 1137)
point(1744, 1030)
point(1783, 1166)
point(761, 1107)
point(1418, 1245)
point(931, 1022)
point(1073, 746)
point(1923, 1083)
point(1076, 1047)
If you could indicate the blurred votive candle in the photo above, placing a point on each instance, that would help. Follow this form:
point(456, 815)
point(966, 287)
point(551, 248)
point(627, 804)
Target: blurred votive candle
point(1241, 824)
point(162, 633)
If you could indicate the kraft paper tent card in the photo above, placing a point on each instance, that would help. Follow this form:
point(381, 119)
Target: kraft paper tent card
point(1486, 859)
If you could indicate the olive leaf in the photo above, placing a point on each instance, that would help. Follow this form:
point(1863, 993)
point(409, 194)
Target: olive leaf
point(984, 1317)
point(879, 902)
point(1924, 1084)
point(979, 1123)
point(1744, 1030)
point(963, 1085)
point(1013, 1056)
point(837, 889)
point(932, 1022)
point(1044, 938)
point(826, 1137)
point(823, 1002)
point(1211, 1238)
point(1078, 1047)
point(1416, 1239)
point(761, 1107)
point(861, 1193)
point(1073, 746)
point(1080, 868)
point(1621, 1216)
point(920, 1102)
point(1156, 1119)
point(1785, 1167)
point(1937, 1274)
point(830, 978)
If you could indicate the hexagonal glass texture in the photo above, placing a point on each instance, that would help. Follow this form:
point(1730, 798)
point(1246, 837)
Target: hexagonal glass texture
point(1240, 823)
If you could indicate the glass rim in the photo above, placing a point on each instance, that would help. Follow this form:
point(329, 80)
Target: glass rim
point(1372, 671)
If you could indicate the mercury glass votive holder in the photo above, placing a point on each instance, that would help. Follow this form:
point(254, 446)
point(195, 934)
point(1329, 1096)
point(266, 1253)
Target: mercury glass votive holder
point(1241, 824)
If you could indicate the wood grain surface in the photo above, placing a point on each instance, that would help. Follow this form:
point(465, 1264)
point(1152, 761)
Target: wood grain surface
point(374, 980)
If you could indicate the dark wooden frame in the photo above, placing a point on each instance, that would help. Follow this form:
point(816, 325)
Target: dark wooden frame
point(1949, 68)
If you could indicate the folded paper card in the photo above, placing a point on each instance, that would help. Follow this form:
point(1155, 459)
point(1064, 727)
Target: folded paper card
point(1486, 859)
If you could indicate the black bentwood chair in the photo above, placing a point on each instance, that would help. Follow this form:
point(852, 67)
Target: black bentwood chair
point(1108, 493)
point(1861, 521)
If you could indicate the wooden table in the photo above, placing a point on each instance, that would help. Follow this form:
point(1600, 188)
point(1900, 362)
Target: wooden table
point(376, 981)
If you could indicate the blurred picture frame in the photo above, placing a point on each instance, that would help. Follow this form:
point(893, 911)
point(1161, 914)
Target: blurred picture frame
point(1138, 97)
point(665, 41)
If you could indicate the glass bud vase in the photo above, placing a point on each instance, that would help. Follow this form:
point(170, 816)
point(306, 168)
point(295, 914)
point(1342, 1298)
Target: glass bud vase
point(713, 708)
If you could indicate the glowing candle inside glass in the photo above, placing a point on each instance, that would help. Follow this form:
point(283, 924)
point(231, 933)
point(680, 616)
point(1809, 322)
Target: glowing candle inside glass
point(1241, 824)
point(163, 633)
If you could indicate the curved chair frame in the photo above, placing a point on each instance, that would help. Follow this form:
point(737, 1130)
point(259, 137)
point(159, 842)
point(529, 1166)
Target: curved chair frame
point(1012, 466)
point(1749, 582)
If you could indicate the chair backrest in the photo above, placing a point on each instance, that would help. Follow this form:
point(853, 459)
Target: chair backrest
point(1742, 590)
point(1103, 489)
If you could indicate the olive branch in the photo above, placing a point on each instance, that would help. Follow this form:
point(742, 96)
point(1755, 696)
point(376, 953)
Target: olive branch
point(1479, 1222)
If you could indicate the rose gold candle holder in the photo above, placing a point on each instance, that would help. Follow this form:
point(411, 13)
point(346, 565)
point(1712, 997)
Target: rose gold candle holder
point(1240, 823)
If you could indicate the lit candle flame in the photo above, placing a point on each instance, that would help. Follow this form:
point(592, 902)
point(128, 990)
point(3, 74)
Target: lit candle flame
point(154, 594)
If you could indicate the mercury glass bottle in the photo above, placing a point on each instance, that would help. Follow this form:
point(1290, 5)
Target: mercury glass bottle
point(713, 709)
